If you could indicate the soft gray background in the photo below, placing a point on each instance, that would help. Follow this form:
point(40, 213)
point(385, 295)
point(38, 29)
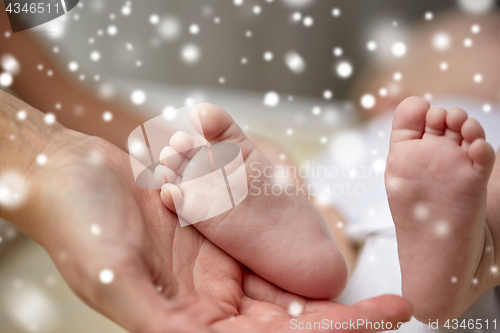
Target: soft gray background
point(223, 45)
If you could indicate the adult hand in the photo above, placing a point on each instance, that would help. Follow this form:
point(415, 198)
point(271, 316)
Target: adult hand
point(124, 254)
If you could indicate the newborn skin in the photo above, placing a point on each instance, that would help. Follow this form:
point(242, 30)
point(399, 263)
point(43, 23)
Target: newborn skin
point(280, 237)
point(436, 177)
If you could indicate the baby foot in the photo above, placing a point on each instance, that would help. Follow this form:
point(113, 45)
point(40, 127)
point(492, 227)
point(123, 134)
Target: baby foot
point(436, 178)
point(281, 236)
point(202, 180)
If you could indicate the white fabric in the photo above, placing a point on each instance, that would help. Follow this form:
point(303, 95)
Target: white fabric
point(368, 216)
point(364, 150)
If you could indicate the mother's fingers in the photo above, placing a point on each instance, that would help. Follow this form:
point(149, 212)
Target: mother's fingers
point(251, 307)
point(134, 302)
point(373, 315)
point(394, 308)
point(253, 324)
point(267, 310)
point(261, 290)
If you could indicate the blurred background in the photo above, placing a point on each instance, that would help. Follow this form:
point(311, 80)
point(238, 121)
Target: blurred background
point(294, 71)
point(291, 47)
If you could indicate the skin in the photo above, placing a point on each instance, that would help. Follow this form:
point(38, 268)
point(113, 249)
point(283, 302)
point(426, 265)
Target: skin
point(44, 92)
point(421, 75)
point(87, 181)
point(74, 99)
point(60, 89)
point(249, 232)
point(437, 178)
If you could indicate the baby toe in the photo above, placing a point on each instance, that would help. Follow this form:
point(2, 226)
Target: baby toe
point(165, 175)
point(435, 121)
point(182, 142)
point(454, 121)
point(409, 120)
point(472, 130)
point(171, 158)
point(215, 124)
point(483, 155)
point(172, 197)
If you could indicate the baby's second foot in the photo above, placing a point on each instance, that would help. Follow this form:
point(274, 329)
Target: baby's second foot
point(277, 234)
point(436, 178)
